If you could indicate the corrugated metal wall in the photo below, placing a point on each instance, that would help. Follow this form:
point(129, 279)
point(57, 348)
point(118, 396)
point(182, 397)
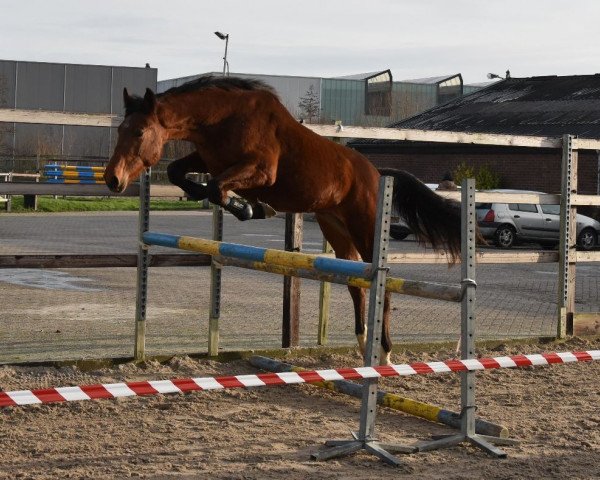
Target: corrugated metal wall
point(341, 98)
point(69, 88)
point(344, 100)
point(408, 99)
point(290, 89)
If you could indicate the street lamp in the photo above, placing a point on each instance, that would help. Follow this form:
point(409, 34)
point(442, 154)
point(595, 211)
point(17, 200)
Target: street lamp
point(495, 75)
point(224, 36)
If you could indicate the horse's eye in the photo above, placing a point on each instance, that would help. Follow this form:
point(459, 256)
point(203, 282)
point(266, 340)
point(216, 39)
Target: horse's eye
point(138, 133)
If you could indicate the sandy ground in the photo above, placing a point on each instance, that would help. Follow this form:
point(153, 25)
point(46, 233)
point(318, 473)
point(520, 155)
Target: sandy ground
point(271, 432)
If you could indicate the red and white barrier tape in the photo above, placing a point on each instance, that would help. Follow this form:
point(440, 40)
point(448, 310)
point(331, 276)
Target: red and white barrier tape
point(113, 390)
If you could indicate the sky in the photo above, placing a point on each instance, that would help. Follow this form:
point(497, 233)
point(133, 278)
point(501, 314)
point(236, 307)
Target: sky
point(414, 39)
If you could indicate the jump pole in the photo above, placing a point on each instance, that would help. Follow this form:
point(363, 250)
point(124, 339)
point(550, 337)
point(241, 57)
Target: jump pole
point(390, 400)
point(334, 270)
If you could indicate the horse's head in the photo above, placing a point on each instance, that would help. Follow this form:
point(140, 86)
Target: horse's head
point(140, 141)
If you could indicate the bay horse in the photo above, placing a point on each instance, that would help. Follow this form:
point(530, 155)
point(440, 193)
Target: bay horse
point(250, 144)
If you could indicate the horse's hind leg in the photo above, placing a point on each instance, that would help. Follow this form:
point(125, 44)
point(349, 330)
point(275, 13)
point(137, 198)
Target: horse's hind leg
point(336, 234)
point(177, 170)
point(363, 239)
point(386, 339)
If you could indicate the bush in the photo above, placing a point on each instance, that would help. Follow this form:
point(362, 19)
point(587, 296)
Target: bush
point(485, 177)
point(463, 171)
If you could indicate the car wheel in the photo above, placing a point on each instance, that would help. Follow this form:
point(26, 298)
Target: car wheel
point(505, 236)
point(399, 233)
point(587, 239)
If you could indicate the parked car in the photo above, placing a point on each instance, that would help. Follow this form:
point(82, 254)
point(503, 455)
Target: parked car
point(511, 223)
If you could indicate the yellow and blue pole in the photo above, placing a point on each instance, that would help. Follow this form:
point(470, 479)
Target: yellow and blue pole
point(263, 255)
point(390, 400)
point(334, 270)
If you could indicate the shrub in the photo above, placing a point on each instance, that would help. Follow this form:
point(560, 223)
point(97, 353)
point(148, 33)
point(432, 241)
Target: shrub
point(485, 177)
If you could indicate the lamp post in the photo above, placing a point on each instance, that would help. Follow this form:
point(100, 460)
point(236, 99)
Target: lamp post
point(495, 75)
point(224, 36)
point(215, 268)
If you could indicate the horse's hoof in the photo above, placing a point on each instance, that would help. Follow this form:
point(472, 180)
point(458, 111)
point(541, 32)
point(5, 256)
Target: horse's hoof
point(262, 211)
point(384, 358)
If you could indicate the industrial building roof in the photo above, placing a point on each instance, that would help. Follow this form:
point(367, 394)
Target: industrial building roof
point(431, 80)
point(363, 76)
point(537, 106)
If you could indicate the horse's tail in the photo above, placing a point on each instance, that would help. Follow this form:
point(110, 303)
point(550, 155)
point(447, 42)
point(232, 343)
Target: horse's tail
point(430, 217)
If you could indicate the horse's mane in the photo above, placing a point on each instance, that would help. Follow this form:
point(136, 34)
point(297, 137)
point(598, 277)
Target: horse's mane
point(224, 83)
point(206, 81)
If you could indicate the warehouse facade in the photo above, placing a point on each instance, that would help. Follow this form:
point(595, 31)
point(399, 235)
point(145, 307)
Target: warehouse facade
point(369, 100)
point(64, 88)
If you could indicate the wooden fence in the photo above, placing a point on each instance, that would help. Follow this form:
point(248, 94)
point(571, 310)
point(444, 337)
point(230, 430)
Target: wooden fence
point(569, 321)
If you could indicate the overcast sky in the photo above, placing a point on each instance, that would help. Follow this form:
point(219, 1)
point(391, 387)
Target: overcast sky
point(414, 39)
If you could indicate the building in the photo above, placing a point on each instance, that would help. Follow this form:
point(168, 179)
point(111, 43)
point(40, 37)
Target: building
point(538, 106)
point(290, 88)
point(368, 99)
point(68, 88)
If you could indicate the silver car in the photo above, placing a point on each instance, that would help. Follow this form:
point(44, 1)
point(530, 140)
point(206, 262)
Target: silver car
point(510, 223)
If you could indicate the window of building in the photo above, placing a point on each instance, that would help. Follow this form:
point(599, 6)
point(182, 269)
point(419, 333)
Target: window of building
point(450, 89)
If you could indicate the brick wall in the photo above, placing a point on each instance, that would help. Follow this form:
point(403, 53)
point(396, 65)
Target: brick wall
point(523, 170)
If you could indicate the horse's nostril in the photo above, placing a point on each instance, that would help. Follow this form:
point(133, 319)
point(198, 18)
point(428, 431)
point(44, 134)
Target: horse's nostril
point(113, 184)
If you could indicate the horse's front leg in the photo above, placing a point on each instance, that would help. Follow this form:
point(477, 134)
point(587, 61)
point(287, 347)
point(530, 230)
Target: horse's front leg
point(178, 169)
point(241, 177)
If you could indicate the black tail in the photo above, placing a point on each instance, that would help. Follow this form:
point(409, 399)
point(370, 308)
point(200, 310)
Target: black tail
point(432, 218)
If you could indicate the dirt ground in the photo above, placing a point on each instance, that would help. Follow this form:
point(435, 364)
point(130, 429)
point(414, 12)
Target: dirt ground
point(267, 433)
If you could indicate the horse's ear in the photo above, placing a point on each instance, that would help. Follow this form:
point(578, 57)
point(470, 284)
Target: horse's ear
point(126, 97)
point(149, 100)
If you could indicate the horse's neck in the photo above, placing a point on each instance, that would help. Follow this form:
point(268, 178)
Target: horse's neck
point(183, 116)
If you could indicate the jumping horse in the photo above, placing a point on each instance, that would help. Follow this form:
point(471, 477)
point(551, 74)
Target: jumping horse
point(250, 144)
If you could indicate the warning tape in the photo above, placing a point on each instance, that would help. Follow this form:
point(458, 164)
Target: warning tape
point(153, 387)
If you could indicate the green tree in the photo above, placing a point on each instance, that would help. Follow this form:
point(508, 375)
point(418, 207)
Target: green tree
point(485, 177)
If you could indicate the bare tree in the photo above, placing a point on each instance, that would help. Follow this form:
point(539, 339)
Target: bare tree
point(310, 104)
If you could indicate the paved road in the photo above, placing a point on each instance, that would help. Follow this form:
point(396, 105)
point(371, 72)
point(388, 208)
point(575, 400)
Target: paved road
point(65, 314)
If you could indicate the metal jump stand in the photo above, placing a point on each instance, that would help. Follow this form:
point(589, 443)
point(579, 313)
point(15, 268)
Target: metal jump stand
point(364, 438)
point(467, 379)
point(142, 270)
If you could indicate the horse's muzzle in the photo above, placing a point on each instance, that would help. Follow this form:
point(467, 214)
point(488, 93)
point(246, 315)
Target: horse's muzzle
point(113, 184)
